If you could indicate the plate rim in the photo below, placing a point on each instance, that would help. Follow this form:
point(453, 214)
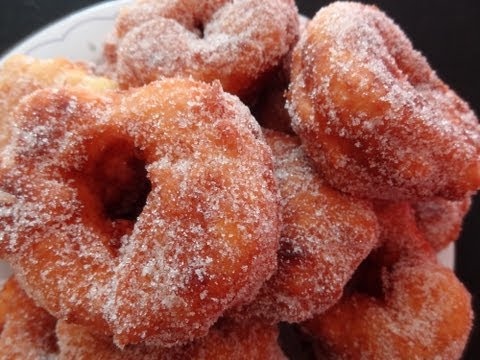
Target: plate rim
point(64, 19)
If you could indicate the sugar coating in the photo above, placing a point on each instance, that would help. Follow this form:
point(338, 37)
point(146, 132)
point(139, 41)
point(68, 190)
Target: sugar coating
point(207, 236)
point(21, 75)
point(374, 117)
point(206, 39)
point(441, 220)
point(325, 236)
point(424, 312)
point(226, 340)
point(27, 331)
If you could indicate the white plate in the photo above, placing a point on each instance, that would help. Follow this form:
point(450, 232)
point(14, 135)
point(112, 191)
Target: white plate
point(80, 36)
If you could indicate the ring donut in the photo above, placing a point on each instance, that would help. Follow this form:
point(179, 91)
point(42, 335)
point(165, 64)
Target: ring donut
point(21, 75)
point(235, 42)
point(373, 115)
point(421, 310)
point(142, 214)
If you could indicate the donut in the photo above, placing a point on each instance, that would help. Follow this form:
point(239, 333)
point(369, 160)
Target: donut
point(325, 236)
point(21, 75)
point(143, 214)
point(26, 331)
point(235, 42)
point(226, 340)
point(373, 116)
point(270, 110)
point(440, 220)
point(420, 311)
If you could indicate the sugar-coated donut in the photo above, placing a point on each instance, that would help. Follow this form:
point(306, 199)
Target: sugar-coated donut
point(142, 214)
point(236, 42)
point(373, 115)
point(325, 236)
point(21, 75)
point(226, 340)
point(420, 311)
point(441, 220)
point(27, 332)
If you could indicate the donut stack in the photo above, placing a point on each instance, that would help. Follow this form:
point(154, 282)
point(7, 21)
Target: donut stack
point(147, 214)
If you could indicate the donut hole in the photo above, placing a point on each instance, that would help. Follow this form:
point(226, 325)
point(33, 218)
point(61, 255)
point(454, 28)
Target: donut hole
point(199, 29)
point(116, 175)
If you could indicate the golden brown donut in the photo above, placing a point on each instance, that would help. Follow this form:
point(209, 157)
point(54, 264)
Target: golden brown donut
point(325, 236)
point(21, 75)
point(142, 214)
point(373, 115)
point(226, 340)
point(235, 42)
point(27, 332)
point(420, 311)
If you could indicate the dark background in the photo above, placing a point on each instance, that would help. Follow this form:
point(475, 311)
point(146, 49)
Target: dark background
point(446, 31)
